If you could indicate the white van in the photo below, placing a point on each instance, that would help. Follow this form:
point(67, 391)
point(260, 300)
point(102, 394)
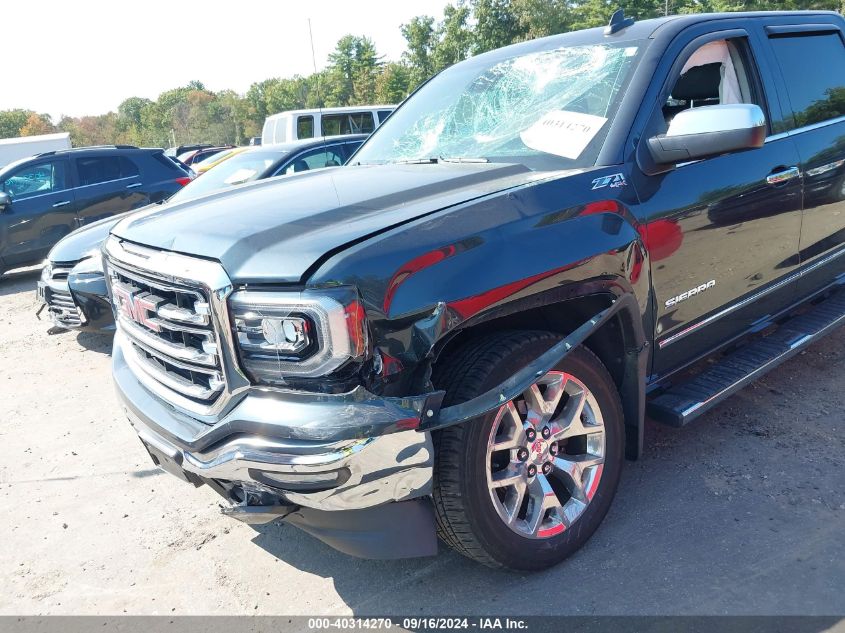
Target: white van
point(12, 149)
point(295, 125)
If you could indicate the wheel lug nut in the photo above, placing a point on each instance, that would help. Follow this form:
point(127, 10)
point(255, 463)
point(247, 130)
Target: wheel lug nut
point(522, 454)
point(547, 468)
point(547, 432)
point(532, 470)
point(531, 434)
point(553, 449)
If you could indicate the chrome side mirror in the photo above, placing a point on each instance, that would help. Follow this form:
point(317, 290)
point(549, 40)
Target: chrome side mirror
point(709, 131)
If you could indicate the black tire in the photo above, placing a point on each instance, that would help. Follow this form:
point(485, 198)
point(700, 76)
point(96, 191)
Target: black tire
point(466, 517)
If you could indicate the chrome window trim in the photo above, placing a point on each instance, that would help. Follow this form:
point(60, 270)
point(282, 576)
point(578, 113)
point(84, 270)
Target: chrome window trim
point(106, 182)
point(206, 275)
point(744, 302)
point(806, 128)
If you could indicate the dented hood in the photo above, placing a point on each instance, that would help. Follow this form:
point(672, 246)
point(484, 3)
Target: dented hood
point(276, 230)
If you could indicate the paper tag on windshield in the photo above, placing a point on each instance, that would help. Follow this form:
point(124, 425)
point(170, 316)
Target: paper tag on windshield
point(563, 133)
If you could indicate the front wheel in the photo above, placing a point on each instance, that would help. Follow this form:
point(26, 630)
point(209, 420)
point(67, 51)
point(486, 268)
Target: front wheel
point(525, 486)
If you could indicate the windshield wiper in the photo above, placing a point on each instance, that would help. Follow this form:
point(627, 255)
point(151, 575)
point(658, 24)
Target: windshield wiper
point(419, 161)
point(463, 159)
point(433, 160)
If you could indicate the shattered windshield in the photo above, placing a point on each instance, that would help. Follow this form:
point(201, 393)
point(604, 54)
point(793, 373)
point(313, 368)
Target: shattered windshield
point(548, 110)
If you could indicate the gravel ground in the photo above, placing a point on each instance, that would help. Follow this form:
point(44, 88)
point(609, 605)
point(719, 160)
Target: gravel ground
point(741, 513)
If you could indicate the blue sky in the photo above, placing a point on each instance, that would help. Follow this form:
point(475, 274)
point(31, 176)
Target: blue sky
point(85, 57)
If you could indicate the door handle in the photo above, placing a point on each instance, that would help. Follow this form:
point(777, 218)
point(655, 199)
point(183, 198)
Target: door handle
point(780, 177)
point(61, 204)
point(134, 185)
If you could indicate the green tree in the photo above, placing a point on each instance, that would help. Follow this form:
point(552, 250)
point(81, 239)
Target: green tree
point(497, 24)
point(368, 65)
point(392, 83)
point(37, 124)
point(453, 38)
point(420, 38)
point(11, 122)
point(352, 72)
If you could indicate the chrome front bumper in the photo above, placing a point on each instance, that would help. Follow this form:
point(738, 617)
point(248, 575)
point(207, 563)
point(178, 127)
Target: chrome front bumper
point(53, 291)
point(251, 446)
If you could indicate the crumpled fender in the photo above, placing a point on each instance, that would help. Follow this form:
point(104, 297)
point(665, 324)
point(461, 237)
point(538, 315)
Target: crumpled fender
point(491, 400)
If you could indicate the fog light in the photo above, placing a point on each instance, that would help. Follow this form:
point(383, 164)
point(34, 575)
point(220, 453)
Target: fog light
point(302, 481)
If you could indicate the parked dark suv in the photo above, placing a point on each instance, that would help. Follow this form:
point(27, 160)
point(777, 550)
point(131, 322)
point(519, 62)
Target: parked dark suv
point(45, 197)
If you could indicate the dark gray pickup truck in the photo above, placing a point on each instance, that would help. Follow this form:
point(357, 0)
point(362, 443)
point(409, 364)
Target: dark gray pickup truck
point(462, 331)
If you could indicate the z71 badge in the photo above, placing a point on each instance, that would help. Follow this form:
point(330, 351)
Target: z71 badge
point(614, 180)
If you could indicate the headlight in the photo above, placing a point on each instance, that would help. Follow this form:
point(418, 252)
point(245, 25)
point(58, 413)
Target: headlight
point(297, 334)
point(92, 262)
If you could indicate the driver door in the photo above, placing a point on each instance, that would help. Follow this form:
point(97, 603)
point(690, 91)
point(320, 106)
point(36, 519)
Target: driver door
point(722, 232)
point(41, 213)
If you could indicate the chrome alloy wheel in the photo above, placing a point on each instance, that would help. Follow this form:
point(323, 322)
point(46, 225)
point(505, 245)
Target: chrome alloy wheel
point(545, 456)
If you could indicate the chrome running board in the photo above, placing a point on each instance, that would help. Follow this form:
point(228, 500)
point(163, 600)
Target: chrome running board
point(682, 403)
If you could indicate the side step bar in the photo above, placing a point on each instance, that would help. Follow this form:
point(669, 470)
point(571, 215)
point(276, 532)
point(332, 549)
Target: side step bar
point(682, 403)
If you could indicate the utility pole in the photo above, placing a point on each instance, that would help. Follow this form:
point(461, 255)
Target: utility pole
point(666, 7)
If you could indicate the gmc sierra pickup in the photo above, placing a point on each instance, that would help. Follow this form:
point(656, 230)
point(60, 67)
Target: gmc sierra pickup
point(462, 331)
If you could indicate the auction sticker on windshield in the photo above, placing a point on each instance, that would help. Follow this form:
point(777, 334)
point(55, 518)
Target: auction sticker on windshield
point(562, 133)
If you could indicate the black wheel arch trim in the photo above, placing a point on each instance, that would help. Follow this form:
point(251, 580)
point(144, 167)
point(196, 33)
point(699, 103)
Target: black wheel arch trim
point(632, 389)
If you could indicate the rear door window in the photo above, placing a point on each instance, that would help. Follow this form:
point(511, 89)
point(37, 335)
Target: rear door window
point(383, 114)
point(97, 169)
point(813, 68)
point(128, 168)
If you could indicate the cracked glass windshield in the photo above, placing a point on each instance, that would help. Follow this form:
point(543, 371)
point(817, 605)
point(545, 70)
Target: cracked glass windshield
point(547, 109)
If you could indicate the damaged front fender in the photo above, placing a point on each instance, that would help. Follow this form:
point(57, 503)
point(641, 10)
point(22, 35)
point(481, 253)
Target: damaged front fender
point(522, 379)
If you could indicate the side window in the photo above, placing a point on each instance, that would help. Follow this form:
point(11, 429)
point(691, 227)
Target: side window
point(351, 148)
point(305, 127)
point(98, 169)
point(128, 168)
point(383, 114)
point(716, 73)
point(36, 180)
point(347, 123)
point(813, 68)
point(316, 159)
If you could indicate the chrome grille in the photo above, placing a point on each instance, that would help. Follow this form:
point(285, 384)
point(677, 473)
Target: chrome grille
point(62, 308)
point(61, 270)
point(170, 334)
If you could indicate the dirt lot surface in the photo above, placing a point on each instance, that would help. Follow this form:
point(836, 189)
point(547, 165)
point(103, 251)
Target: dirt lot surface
point(743, 512)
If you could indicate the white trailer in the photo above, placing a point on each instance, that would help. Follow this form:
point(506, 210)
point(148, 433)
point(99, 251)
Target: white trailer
point(12, 149)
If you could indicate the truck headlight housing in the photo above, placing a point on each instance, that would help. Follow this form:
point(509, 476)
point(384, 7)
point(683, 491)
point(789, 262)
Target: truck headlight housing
point(297, 334)
point(91, 262)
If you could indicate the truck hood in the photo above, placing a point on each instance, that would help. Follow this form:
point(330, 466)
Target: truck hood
point(276, 230)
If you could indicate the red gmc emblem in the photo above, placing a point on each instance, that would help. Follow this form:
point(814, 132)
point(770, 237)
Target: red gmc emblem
point(135, 307)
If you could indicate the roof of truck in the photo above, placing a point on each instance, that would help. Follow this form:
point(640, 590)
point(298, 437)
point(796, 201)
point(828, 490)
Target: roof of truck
point(641, 30)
